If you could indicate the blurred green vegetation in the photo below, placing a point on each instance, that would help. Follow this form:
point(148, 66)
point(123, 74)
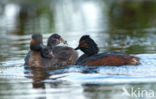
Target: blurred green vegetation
point(132, 15)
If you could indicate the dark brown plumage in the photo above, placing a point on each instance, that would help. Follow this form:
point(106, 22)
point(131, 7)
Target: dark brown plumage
point(50, 55)
point(92, 58)
point(64, 54)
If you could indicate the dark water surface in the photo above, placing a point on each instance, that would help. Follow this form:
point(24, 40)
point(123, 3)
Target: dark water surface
point(116, 25)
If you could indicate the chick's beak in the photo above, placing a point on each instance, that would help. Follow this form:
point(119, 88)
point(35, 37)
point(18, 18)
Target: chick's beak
point(63, 41)
point(51, 55)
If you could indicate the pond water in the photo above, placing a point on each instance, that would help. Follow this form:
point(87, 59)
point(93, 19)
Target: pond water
point(127, 26)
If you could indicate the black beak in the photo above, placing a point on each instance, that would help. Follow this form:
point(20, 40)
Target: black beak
point(77, 48)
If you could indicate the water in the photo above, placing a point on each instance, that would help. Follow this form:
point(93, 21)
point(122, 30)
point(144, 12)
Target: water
point(127, 26)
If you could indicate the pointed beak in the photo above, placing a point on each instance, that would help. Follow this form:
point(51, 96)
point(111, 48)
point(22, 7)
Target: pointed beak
point(63, 41)
point(77, 48)
point(51, 55)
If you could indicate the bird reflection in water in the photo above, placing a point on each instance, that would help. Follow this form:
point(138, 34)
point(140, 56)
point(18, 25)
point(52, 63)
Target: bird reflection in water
point(40, 74)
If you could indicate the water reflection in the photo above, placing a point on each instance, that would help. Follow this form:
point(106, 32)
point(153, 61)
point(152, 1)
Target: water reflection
point(38, 75)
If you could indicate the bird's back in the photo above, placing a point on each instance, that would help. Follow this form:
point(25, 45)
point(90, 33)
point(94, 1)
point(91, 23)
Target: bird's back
point(65, 54)
point(109, 59)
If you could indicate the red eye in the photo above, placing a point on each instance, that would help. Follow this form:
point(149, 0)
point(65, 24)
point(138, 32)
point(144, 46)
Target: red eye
point(33, 42)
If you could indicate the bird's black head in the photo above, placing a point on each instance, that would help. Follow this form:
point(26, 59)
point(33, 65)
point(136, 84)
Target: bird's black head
point(46, 53)
point(54, 40)
point(87, 45)
point(36, 43)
